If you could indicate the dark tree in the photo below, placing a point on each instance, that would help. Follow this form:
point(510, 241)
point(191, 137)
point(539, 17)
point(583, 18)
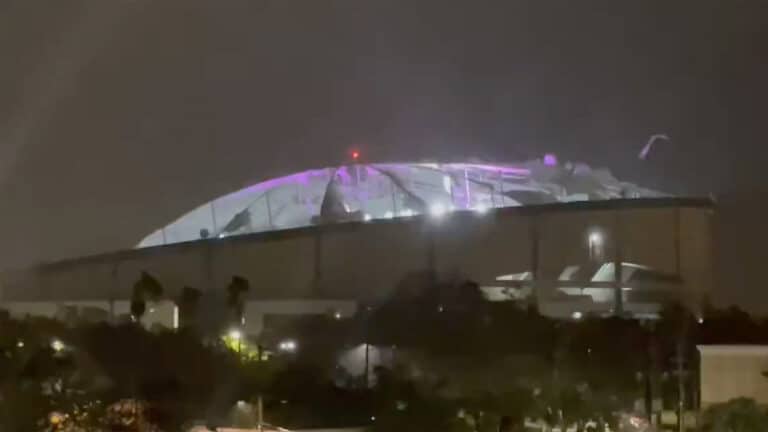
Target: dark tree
point(147, 288)
point(237, 290)
point(736, 415)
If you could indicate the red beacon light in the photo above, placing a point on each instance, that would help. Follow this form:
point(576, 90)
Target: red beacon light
point(355, 155)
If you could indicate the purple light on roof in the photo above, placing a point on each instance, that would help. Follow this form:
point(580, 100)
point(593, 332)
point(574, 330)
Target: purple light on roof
point(467, 196)
point(343, 174)
point(550, 159)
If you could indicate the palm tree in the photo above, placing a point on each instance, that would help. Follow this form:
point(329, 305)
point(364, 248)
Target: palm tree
point(236, 291)
point(147, 288)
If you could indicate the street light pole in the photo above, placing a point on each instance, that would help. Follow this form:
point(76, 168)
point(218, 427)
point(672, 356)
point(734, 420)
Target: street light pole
point(681, 372)
point(260, 413)
point(680, 388)
point(367, 349)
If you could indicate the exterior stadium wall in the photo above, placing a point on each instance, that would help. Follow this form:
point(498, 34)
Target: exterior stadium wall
point(365, 261)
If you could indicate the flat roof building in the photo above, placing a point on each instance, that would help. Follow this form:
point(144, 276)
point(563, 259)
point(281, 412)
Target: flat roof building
point(733, 371)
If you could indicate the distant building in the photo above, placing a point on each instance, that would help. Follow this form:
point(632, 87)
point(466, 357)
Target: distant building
point(365, 192)
point(571, 240)
point(733, 371)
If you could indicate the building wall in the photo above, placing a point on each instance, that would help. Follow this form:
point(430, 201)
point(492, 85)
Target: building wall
point(365, 261)
point(255, 311)
point(166, 314)
point(728, 372)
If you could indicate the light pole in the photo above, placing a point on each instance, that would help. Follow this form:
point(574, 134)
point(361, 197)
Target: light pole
point(260, 413)
point(367, 365)
point(680, 360)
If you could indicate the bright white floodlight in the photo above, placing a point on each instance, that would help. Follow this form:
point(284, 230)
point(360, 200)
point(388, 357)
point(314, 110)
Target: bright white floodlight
point(437, 210)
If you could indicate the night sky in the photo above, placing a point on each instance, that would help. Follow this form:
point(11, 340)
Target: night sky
point(118, 116)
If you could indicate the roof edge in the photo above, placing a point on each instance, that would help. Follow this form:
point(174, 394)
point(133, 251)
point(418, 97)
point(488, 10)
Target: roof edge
point(733, 349)
point(608, 204)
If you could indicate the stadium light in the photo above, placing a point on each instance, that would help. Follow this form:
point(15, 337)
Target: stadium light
point(437, 210)
point(235, 334)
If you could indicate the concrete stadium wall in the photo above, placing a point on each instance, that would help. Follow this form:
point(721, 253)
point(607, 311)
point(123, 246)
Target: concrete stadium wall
point(366, 261)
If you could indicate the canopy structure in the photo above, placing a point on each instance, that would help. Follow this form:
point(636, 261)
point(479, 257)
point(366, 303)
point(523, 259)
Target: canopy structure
point(362, 192)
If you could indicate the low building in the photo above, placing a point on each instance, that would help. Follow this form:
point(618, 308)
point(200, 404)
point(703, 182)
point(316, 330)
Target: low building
point(733, 371)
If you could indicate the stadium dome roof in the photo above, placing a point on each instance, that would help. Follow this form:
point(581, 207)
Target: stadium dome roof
point(360, 192)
